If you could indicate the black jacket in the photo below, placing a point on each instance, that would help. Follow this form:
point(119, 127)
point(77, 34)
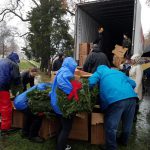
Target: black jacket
point(100, 41)
point(26, 78)
point(94, 59)
point(57, 64)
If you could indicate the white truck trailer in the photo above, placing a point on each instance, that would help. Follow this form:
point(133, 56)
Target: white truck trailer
point(117, 17)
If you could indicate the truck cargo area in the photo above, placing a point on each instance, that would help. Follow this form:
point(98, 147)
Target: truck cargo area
point(117, 17)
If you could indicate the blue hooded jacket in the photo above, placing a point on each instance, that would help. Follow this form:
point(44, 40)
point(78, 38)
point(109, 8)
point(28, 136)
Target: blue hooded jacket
point(114, 85)
point(9, 71)
point(14, 57)
point(62, 81)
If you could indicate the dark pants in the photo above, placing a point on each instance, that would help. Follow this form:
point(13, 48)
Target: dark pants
point(136, 109)
point(66, 125)
point(32, 123)
point(122, 110)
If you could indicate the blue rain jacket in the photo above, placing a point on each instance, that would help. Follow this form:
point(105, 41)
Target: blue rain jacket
point(62, 81)
point(114, 85)
point(9, 71)
point(21, 101)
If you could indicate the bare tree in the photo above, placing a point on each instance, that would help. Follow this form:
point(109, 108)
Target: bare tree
point(148, 2)
point(15, 7)
point(7, 42)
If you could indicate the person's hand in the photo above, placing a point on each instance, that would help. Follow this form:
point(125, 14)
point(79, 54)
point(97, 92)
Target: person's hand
point(101, 30)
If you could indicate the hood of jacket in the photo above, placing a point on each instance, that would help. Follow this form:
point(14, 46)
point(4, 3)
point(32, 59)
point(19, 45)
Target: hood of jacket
point(70, 63)
point(96, 49)
point(14, 57)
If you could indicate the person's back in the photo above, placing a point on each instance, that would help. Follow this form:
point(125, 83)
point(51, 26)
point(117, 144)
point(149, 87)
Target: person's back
point(5, 73)
point(94, 59)
point(114, 85)
point(58, 63)
point(118, 100)
point(28, 77)
point(9, 73)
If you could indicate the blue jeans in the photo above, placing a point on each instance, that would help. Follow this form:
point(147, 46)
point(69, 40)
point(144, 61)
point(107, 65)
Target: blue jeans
point(122, 110)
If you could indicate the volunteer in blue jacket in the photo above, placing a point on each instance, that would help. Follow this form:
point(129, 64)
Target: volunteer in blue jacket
point(117, 100)
point(62, 81)
point(9, 74)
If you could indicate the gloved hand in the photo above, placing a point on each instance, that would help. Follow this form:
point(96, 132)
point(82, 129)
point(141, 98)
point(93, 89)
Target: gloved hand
point(76, 86)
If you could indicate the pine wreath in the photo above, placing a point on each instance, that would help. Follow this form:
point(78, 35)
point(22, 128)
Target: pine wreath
point(39, 102)
point(87, 100)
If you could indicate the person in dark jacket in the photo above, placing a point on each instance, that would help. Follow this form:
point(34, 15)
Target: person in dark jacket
point(58, 62)
point(100, 39)
point(32, 123)
point(127, 44)
point(117, 100)
point(28, 77)
point(94, 59)
point(9, 75)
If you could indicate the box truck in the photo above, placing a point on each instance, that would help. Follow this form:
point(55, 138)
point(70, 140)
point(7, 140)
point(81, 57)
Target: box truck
point(117, 17)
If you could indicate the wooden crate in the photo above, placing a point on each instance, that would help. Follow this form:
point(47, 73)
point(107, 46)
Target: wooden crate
point(97, 128)
point(80, 127)
point(17, 119)
point(49, 127)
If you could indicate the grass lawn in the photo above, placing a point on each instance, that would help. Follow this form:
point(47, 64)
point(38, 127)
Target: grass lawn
point(15, 142)
point(25, 65)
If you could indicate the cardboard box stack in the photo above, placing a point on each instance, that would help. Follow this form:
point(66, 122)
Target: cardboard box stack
point(80, 127)
point(17, 118)
point(97, 128)
point(49, 127)
point(84, 49)
point(119, 53)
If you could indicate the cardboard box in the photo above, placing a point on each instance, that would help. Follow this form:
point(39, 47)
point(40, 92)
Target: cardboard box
point(17, 119)
point(84, 48)
point(82, 59)
point(117, 61)
point(97, 128)
point(80, 127)
point(119, 51)
point(49, 127)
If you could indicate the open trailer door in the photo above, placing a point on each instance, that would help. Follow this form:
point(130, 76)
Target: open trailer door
point(137, 38)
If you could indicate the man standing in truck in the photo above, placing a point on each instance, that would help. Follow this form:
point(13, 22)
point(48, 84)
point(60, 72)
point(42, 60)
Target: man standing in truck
point(100, 39)
point(127, 44)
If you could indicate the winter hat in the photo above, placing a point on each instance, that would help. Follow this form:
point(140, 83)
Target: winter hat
point(136, 57)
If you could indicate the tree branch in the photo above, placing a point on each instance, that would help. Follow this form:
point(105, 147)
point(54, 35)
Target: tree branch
point(71, 13)
point(11, 11)
point(24, 34)
point(34, 1)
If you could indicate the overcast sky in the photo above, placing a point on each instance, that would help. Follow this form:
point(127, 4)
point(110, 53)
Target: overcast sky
point(145, 17)
point(23, 27)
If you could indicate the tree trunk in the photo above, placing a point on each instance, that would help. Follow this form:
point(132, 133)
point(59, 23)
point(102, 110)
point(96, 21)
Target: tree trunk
point(44, 65)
